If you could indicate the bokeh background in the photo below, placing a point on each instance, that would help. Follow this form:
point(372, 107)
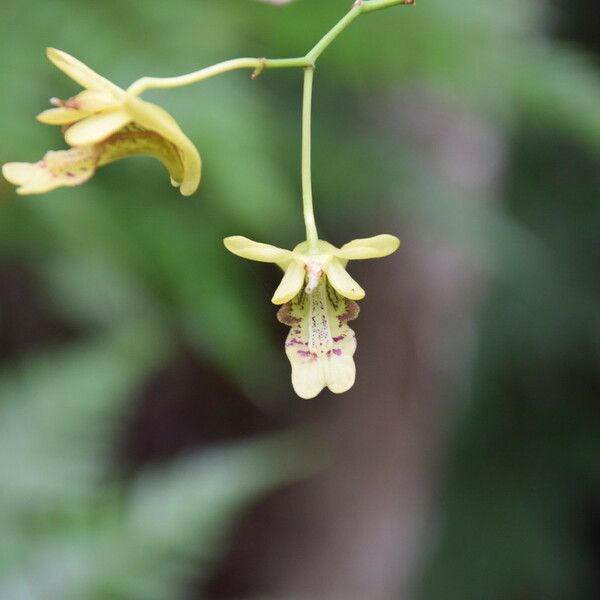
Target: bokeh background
point(151, 446)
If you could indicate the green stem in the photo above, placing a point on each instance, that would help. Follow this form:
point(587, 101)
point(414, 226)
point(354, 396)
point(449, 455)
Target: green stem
point(359, 7)
point(307, 197)
point(334, 32)
point(258, 64)
point(307, 62)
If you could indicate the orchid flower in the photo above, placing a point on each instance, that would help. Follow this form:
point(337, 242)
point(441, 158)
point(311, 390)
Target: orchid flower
point(317, 298)
point(104, 123)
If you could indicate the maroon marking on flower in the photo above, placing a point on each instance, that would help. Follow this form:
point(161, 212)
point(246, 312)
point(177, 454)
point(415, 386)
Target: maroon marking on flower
point(351, 313)
point(285, 316)
point(307, 354)
point(337, 351)
point(338, 338)
point(295, 342)
point(69, 174)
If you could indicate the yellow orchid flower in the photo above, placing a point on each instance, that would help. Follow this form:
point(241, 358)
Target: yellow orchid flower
point(104, 123)
point(318, 297)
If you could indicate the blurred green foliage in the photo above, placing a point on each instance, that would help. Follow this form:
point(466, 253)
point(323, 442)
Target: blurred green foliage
point(135, 269)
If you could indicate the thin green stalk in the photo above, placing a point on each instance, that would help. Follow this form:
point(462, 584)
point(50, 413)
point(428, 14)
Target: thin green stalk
point(258, 64)
point(359, 7)
point(307, 197)
point(306, 62)
point(334, 32)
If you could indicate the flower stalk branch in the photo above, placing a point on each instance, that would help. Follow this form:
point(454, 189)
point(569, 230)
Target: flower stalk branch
point(257, 64)
point(260, 64)
point(333, 33)
point(307, 196)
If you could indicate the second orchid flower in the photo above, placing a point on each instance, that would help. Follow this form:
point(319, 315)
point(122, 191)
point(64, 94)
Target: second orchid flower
point(102, 124)
point(317, 298)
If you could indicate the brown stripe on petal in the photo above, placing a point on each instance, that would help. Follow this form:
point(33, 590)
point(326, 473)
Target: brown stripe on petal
point(135, 141)
point(352, 311)
point(347, 309)
point(285, 315)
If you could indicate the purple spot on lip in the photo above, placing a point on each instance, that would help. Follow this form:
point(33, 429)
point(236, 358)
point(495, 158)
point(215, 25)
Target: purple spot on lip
point(295, 342)
point(337, 351)
point(69, 174)
point(338, 338)
point(307, 354)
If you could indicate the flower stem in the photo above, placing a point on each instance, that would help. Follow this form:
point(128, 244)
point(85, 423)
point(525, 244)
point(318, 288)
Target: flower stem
point(359, 7)
point(307, 197)
point(334, 32)
point(258, 64)
point(306, 62)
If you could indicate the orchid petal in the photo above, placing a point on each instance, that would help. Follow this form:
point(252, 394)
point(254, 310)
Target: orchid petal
point(96, 128)
point(246, 248)
point(61, 116)
point(76, 165)
point(373, 247)
point(291, 284)
point(81, 73)
point(157, 119)
point(320, 345)
point(341, 281)
point(76, 108)
point(57, 169)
